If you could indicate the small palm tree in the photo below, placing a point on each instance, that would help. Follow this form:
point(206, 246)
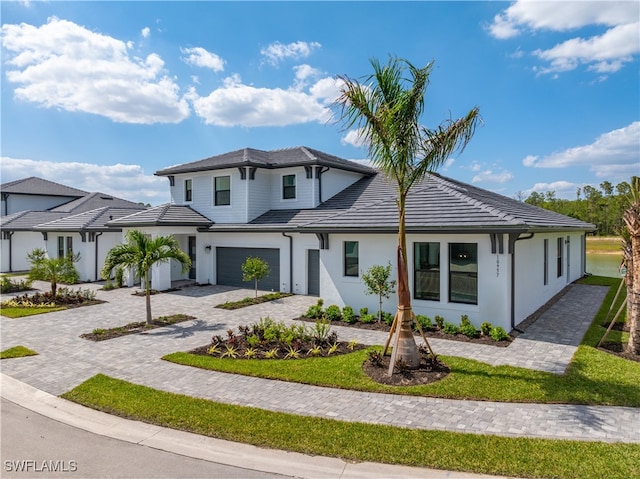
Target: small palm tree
point(632, 260)
point(387, 108)
point(140, 253)
point(54, 270)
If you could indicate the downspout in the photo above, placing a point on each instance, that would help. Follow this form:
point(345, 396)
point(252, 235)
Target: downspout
point(9, 235)
point(290, 260)
point(513, 237)
point(96, 255)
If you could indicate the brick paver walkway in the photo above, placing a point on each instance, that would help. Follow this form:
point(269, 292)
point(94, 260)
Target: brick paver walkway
point(65, 360)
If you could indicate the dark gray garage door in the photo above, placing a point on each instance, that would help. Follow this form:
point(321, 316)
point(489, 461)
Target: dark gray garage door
point(229, 267)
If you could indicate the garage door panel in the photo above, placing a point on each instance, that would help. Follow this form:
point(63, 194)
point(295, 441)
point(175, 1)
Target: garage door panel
point(229, 267)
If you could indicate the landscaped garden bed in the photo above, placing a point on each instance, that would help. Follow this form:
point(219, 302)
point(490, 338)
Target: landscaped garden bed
point(100, 334)
point(45, 302)
point(438, 328)
point(265, 298)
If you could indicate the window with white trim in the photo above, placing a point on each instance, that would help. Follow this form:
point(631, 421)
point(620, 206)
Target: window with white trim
point(288, 187)
point(222, 190)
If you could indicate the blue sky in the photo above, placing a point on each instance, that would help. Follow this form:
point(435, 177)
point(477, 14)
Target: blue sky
point(99, 96)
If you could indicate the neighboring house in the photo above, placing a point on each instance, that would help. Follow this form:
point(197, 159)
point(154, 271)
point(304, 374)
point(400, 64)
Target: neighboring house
point(320, 221)
point(78, 225)
point(35, 194)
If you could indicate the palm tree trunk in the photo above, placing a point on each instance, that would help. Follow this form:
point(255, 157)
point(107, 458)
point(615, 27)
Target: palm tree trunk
point(405, 346)
point(633, 295)
point(147, 295)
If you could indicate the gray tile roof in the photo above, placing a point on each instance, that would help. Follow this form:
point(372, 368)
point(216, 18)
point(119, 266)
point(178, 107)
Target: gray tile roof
point(38, 186)
point(27, 220)
point(92, 201)
point(298, 156)
point(164, 215)
point(437, 204)
point(93, 220)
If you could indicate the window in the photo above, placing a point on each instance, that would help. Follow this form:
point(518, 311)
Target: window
point(463, 273)
point(426, 269)
point(188, 190)
point(351, 258)
point(288, 187)
point(222, 188)
point(559, 266)
point(65, 248)
point(546, 261)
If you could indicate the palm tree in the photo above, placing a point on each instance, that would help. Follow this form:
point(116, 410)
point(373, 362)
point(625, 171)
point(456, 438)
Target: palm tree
point(631, 251)
point(386, 107)
point(140, 253)
point(54, 270)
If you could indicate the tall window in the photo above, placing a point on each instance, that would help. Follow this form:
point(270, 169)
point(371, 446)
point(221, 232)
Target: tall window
point(559, 266)
point(463, 273)
point(288, 187)
point(546, 261)
point(188, 190)
point(65, 248)
point(222, 189)
point(426, 269)
point(351, 258)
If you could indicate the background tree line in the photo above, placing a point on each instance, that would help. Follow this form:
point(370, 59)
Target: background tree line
point(603, 207)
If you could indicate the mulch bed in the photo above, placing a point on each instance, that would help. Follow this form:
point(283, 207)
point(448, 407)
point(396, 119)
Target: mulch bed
point(231, 305)
point(429, 334)
point(618, 349)
point(303, 347)
point(134, 328)
point(428, 372)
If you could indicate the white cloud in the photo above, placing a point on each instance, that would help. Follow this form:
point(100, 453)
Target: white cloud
point(276, 52)
point(448, 164)
point(490, 176)
point(303, 73)
point(200, 57)
point(146, 31)
point(64, 65)
point(128, 182)
point(563, 189)
point(475, 166)
point(353, 138)
point(603, 53)
point(613, 154)
point(237, 104)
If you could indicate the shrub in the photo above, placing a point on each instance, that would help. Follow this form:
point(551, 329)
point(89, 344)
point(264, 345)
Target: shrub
point(10, 286)
point(424, 322)
point(469, 330)
point(499, 334)
point(485, 328)
point(119, 276)
point(464, 320)
point(320, 331)
point(375, 357)
point(333, 313)
point(449, 328)
point(368, 318)
point(364, 311)
point(439, 321)
point(315, 311)
point(348, 315)
point(387, 318)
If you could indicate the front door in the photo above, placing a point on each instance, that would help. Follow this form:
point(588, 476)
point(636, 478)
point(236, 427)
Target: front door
point(192, 257)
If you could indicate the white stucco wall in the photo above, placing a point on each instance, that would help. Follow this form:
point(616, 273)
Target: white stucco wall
point(22, 242)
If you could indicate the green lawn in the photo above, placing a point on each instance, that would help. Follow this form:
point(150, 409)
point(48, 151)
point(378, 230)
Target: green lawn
point(25, 311)
point(17, 352)
point(520, 457)
point(593, 377)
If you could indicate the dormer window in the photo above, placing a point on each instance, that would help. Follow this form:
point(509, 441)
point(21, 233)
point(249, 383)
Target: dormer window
point(289, 187)
point(222, 190)
point(188, 190)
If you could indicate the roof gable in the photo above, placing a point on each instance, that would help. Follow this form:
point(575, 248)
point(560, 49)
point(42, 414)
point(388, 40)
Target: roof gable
point(40, 187)
point(164, 215)
point(92, 201)
point(95, 220)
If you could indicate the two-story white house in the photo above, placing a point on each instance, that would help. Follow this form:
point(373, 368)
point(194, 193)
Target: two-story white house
point(320, 221)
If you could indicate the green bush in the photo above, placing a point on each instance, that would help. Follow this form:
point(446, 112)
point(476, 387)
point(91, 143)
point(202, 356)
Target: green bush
point(119, 276)
point(449, 328)
point(387, 318)
point(315, 311)
point(348, 315)
point(364, 311)
point(368, 318)
point(439, 321)
point(485, 328)
point(499, 334)
point(10, 286)
point(424, 322)
point(464, 320)
point(333, 313)
point(469, 330)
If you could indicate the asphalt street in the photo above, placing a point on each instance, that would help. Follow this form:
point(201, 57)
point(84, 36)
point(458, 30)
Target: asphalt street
point(35, 446)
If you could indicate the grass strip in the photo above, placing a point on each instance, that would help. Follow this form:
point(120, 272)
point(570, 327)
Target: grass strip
point(17, 352)
point(521, 457)
point(23, 312)
point(250, 301)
